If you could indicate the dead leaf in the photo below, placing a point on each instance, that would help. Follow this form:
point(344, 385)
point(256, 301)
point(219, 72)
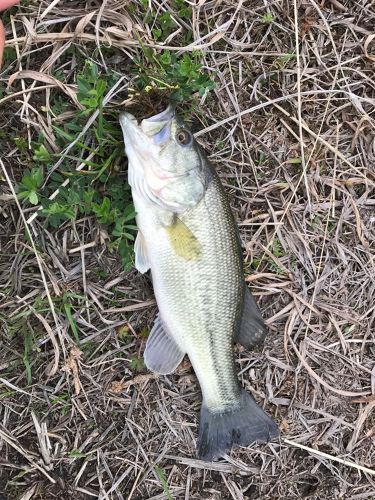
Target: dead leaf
point(117, 386)
point(306, 24)
point(83, 22)
point(284, 426)
point(50, 80)
point(71, 367)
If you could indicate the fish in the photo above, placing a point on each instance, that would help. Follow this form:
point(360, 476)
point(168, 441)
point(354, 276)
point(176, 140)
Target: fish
point(188, 238)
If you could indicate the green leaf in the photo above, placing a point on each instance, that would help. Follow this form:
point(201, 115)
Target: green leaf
point(186, 66)
point(83, 87)
point(56, 213)
point(163, 480)
point(38, 176)
point(268, 18)
point(33, 198)
point(88, 197)
point(42, 154)
point(101, 86)
point(72, 323)
point(129, 213)
point(185, 12)
point(23, 194)
point(126, 253)
point(119, 227)
point(137, 364)
point(103, 211)
point(31, 181)
point(157, 32)
point(25, 359)
point(21, 143)
point(165, 58)
point(76, 454)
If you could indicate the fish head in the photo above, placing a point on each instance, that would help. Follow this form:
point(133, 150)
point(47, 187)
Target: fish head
point(165, 163)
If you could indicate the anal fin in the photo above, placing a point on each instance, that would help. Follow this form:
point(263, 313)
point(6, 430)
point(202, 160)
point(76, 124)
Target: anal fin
point(162, 354)
point(253, 329)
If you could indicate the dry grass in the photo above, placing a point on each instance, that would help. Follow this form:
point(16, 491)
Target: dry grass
point(293, 140)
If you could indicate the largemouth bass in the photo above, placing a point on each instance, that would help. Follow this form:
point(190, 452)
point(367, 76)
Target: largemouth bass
point(189, 240)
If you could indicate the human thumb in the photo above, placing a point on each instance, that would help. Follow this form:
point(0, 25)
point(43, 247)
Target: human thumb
point(5, 4)
point(2, 42)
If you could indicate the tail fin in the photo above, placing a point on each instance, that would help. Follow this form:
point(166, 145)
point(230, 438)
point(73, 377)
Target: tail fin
point(244, 424)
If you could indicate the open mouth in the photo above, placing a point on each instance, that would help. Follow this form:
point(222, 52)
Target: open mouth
point(157, 127)
point(163, 116)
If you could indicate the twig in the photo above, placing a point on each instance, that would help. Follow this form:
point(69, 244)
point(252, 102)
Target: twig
point(348, 463)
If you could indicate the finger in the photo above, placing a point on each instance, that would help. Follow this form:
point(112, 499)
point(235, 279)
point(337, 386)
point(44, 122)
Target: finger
point(2, 41)
point(5, 4)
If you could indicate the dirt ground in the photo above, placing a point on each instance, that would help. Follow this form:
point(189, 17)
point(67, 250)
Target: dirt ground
point(290, 129)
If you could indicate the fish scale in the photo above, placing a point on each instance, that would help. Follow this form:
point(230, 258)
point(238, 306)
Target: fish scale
point(204, 333)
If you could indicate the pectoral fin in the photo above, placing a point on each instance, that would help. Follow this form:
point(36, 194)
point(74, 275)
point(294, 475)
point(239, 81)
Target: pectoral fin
point(182, 240)
point(162, 354)
point(141, 259)
point(253, 329)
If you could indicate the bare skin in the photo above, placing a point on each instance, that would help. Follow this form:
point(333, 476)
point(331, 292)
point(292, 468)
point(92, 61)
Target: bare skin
point(4, 4)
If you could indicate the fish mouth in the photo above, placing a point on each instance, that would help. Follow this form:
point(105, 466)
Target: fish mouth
point(157, 128)
point(163, 116)
point(129, 125)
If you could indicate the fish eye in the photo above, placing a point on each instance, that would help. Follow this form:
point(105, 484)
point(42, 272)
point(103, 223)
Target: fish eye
point(183, 137)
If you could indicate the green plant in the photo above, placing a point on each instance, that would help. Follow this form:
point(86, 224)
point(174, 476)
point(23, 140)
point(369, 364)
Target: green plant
point(163, 23)
point(137, 364)
point(76, 454)
point(123, 333)
point(166, 24)
point(91, 88)
point(9, 54)
point(277, 249)
point(30, 183)
point(268, 18)
point(56, 213)
point(61, 404)
point(163, 480)
point(184, 10)
point(144, 333)
point(97, 190)
point(283, 60)
point(26, 355)
point(262, 159)
point(182, 76)
point(41, 154)
point(255, 263)
point(68, 313)
point(21, 144)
